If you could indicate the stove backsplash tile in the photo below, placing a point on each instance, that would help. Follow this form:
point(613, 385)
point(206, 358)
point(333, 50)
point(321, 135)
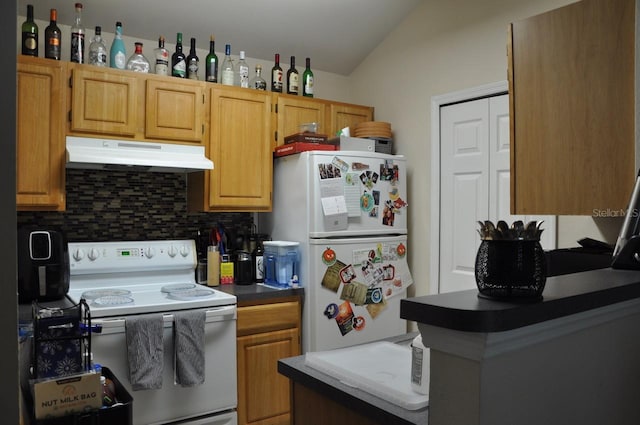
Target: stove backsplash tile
point(129, 205)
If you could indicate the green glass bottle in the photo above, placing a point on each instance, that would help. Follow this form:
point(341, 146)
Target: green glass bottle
point(179, 60)
point(29, 34)
point(307, 80)
point(211, 63)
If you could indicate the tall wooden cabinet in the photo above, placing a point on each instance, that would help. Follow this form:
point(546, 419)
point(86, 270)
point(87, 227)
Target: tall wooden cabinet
point(572, 106)
point(40, 144)
point(240, 148)
point(266, 333)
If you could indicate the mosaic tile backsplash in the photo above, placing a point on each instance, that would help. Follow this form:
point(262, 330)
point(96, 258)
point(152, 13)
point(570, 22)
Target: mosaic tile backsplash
point(129, 205)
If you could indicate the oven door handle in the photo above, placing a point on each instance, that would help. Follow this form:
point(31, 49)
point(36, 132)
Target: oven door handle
point(217, 314)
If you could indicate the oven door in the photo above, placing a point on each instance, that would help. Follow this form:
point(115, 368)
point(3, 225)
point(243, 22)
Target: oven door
point(213, 402)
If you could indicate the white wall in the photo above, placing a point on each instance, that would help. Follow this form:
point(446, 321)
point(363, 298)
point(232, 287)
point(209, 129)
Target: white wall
point(445, 46)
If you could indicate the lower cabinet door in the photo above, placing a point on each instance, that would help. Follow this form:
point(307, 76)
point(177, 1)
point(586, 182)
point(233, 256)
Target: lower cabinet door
point(264, 396)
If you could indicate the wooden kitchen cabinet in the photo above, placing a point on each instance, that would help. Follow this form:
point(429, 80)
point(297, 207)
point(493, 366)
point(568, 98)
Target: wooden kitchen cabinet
point(241, 150)
point(104, 102)
point(291, 111)
point(266, 333)
point(175, 110)
point(116, 103)
point(40, 145)
point(572, 105)
point(343, 115)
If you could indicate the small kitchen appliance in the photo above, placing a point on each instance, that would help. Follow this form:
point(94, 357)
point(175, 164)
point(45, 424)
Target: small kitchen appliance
point(43, 264)
point(126, 282)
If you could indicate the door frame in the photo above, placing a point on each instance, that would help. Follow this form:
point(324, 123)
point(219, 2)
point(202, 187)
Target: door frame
point(438, 101)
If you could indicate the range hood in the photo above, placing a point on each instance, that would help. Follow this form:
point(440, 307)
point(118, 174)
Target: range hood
point(112, 154)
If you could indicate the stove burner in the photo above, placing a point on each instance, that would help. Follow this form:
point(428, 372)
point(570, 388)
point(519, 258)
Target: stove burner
point(192, 294)
point(178, 287)
point(99, 293)
point(112, 300)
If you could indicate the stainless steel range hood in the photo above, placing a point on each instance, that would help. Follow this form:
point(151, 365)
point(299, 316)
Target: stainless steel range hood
point(111, 154)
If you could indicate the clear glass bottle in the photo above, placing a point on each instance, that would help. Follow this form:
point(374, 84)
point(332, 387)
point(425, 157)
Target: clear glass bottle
point(179, 60)
point(307, 80)
point(97, 49)
point(77, 37)
point(118, 53)
point(292, 78)
point(30, 34)
point(257, 82)
point(211, 70)
point(137, 62)
point(193, 62)
point(162, 58)
point(276, 76)
point(228, 69)
point(242, 76)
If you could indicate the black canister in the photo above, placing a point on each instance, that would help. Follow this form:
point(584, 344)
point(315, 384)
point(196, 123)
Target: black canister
point(243, 268)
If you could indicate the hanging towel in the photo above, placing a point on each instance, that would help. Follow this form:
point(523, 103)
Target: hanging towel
point(189, 347)
point(144, 351)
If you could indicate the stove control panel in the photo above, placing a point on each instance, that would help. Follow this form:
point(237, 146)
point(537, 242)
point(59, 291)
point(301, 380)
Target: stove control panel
point(100, 257)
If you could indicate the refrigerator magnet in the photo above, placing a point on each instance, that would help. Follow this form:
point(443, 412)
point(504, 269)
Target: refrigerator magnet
point(355, 292)
point(375, 309)
point(331, 311)
point(358, 323)
point(331, 279)
point(339, 163)
point(329, 257)
point(374, 296)
point(388, 272)
point(347, 274)
point(344, 319)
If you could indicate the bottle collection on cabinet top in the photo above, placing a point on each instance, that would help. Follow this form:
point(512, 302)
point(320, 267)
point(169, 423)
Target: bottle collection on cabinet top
point(162, 63)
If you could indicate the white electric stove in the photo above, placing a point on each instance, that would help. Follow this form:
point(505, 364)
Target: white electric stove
point(120, 280)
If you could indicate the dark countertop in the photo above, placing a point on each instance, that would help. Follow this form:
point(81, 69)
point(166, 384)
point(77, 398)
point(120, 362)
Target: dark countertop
point(562, 296)
point(256, 293)
point(353, 398)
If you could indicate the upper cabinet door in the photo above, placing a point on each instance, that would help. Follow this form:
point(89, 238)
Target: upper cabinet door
point(343, 115)
point(293, 111)
point(40, 147)
point(571, 89)
point(240, 148)
point(175, 110)
point(104, 102)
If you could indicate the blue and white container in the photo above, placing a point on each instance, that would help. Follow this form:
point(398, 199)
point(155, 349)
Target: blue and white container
point(281, 263)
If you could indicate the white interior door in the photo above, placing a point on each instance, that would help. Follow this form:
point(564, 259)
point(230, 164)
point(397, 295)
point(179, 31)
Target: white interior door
point(464, 190)
point(474, 185)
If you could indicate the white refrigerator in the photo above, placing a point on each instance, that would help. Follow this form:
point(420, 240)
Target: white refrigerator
point(348, 210)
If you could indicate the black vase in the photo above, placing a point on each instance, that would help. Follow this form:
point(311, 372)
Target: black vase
point(511, 269)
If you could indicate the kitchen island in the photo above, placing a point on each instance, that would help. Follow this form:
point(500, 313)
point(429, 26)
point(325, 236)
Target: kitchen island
point(320, 399)
point(570, 358)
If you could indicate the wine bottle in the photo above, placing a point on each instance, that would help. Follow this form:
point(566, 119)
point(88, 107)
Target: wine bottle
point(52, 35)
point(307, 80)
point(193, 62)
point(77, 37)
point(242, 79)
point(292, 77)
point(228, 69)
point(211, 69)
point(138, 62)
point(276, 76)
point(97, 49)
point(179, 60)
point(30, 34)
point(257, 82)
point(162, 58)
point(118, 54)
